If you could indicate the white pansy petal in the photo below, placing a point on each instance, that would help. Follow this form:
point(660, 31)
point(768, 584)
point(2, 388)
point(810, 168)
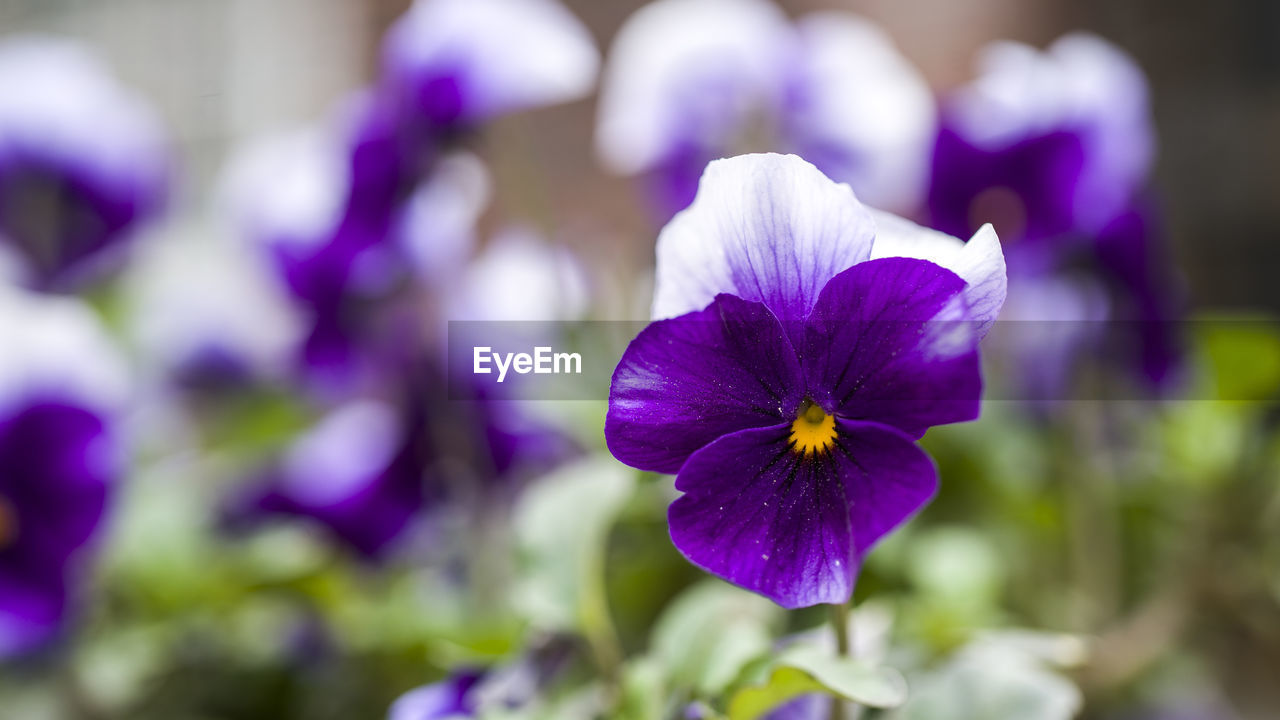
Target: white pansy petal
point(682, 68)
point(861, 112)
point(1108, 95)
point(57, 347)
point(287, 188)
point(438, 224)
point(768, 228)
point(979, 262)
point(60, 102)
point(190, 295)
point(521, 277)
point(506, 55)
point(342, 454)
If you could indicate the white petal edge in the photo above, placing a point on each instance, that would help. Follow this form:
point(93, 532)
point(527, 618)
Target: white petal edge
point(979, 262)
point(768, 228)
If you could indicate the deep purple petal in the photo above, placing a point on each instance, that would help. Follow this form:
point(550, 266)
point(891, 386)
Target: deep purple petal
point(814, 706)
point(359, 473)
point(794, 528)
point(761, 516)
point(1027, 190)
point(686, 381)
point(57, 466)
point(876, 347)
point(31, 609)
point(452, 697)
point(887, 479)
point(1134, 260)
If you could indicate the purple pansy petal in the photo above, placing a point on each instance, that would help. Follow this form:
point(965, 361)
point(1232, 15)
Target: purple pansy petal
point(761, 516)
point(61, 381)
point(814, 706)
point(979, 262)
point(687, 381)
point(686, 76)
point(1026, 189)
point(790, 527)
point(452, 63)
point(887, 478)
point(1083, 88)
point(859, 111)
point(767, 228)
point(871, 353)
point(58, 464)
point(453, 697)
point(32, 608)
point(1148, 298)
point(359, 473)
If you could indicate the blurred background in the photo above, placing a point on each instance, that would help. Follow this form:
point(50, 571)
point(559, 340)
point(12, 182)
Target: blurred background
point(1084, 559)
point(220, 73)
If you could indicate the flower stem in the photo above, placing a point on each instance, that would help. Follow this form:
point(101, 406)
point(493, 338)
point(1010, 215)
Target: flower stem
point(840, 624)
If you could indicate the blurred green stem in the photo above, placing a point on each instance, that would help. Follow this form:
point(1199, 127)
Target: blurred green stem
point(1093, 527)
point(840, 625)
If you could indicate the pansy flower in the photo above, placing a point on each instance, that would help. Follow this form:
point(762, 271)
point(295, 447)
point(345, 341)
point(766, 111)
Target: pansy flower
point(359, 473)
point(802, 344)
point(450, 65)
point(689, 81)
point(61, 384)
point(82, 161)
point(1055, 149)
point(194, 333)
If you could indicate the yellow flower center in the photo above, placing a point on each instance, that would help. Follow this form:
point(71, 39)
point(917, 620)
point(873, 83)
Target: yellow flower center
point(8, 523)
point(814, 431)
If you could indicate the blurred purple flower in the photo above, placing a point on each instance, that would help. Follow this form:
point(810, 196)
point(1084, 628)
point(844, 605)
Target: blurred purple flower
point(369, 471)
point(60, 383)
point(1055, 149)
point(359, 473)
point(449, 65)
point(192, 331)
point(82, 161)
point(689, 81)
point(808, 344)
point(471, 692)
point(453, 697)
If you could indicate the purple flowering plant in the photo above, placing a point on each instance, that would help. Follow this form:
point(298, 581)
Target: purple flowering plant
point(803, 345)
point(83, 162)
point(282, 496)
point(1055, 148)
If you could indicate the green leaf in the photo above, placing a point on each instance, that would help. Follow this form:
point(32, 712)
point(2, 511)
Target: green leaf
point(711, 632)
point(808, 669)
point(1242, 356)
point(643, 691)
point(995, 679)
point(561, 526)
